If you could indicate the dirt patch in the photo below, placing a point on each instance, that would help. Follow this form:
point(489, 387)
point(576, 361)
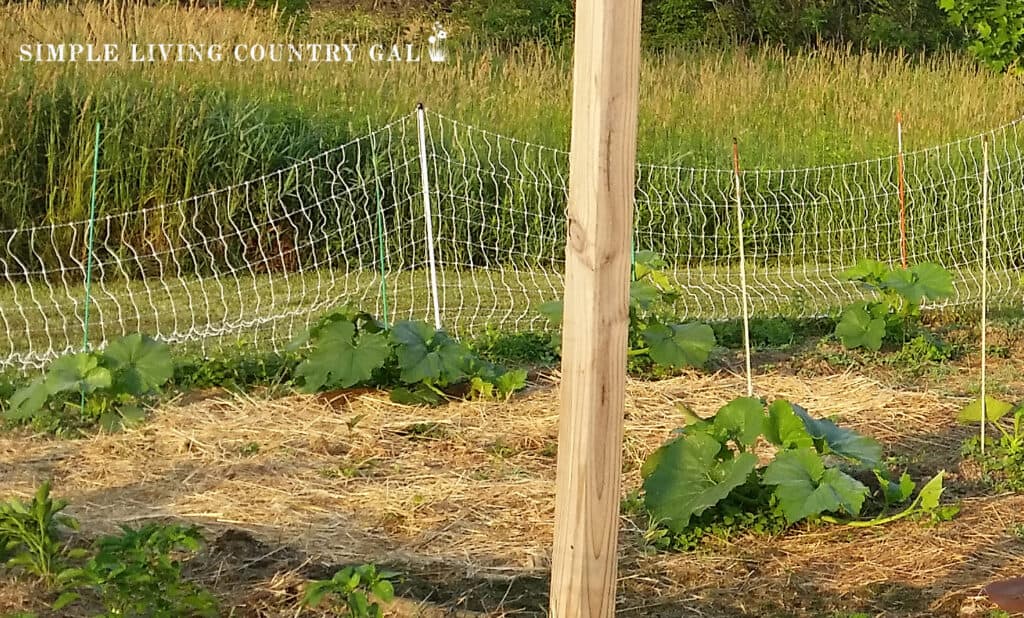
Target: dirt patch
point(461, 499)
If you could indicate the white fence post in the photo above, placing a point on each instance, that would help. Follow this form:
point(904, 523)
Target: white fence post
point(427, 215)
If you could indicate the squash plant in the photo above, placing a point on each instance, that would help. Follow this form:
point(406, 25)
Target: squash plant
point(712, 461)
point(107, 387)
point(346, 348)
point(898, 305)
point(656, 338)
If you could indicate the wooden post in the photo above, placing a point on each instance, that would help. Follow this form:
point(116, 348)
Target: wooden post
point(600, 222)
point(902, 189)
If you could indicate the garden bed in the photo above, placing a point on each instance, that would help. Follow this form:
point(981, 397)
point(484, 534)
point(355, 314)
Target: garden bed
point(460, 499)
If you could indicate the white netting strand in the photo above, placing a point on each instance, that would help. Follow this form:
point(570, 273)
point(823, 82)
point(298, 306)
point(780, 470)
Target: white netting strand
point(253, 264)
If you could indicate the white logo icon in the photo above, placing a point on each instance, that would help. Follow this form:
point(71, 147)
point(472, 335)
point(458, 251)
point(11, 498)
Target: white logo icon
point(436, 40)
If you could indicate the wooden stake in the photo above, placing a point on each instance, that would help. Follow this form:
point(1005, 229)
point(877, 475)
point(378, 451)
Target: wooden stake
point(600, 219)
point(902, 189)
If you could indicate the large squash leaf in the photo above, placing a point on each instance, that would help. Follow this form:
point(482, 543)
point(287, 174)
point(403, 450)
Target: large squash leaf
point(688, 479)
point(428, 355)
point(857, 328)
point(679, 345)
point(784, 428)
point(26, 401)
point(139, 364)
point(342, 358)
point(741, 420)
point(805, 487)
point(77, 373)
point(844, 442)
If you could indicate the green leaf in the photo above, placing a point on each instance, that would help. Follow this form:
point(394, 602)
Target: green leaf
point(341, 358)
point(895, 492)
point(131, 416)
point(741, 420)
point(77, 372)
point(65, 599)
point(27, 401)
point(420, 396)
point(315, 593)
point(139, 364)
point(110, 422)
point(678, 345)
point(511, 382)
point(426, 355)
point(384, 591)
point(995, 409)
point(931, 493)
point(806, 488)
point(856, 328)
point(868, 271)
point(925, 280)
point(689, 479)
point(933, 281)
point(784, 428)
point(643, 294)
point(844, 442)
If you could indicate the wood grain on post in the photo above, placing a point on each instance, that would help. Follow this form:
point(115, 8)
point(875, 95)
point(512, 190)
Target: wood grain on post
point(601, 194)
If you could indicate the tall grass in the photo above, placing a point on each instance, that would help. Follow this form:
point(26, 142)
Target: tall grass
point(172, 130)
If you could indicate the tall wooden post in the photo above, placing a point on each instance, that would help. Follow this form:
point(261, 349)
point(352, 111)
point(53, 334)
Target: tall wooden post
point(601, 195)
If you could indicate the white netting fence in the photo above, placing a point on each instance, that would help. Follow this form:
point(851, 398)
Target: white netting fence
point(253, 264)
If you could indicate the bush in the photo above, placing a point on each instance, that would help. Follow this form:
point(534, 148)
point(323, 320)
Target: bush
point(518, 20)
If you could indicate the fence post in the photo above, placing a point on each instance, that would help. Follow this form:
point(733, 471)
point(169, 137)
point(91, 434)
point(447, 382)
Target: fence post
point(427, 215)
point(91, 241)
point(984, 285)
point(602, 192)
point(381, 247)
point(902, 188)
point(743, 265)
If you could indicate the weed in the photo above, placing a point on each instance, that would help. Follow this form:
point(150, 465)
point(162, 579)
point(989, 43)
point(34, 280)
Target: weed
point(30, 534)
point(529, 348)
point(138, 573)
point(351, 590)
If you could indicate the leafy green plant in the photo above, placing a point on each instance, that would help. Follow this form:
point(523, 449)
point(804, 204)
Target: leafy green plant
point(346, 348)
point(138, 573)
point(656, 339)
point(30, 534)
point(234, 369)
point(1002, 462)
point(897, 310)
point(105, 387)
point(709, 467)
point(995, 30)
point(351, 590)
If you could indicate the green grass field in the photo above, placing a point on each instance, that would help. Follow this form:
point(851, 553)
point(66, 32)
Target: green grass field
point(267, 311)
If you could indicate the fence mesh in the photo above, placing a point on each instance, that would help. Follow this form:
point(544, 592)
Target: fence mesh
point(253, 264)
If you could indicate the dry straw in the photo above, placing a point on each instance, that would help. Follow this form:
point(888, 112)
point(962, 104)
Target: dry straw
point(469, 487)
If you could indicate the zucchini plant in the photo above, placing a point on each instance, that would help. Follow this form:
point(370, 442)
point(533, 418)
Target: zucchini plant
point(346, 348)
point(108, 387)
point(812, 476)
point(656, 337)
point(897, 309)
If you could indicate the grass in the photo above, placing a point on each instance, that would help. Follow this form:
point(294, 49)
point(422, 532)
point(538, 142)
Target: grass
point(216, 124)
point(255, 311)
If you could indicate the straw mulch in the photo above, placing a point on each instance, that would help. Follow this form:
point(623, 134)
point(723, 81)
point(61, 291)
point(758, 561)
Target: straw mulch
point(467, 490)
